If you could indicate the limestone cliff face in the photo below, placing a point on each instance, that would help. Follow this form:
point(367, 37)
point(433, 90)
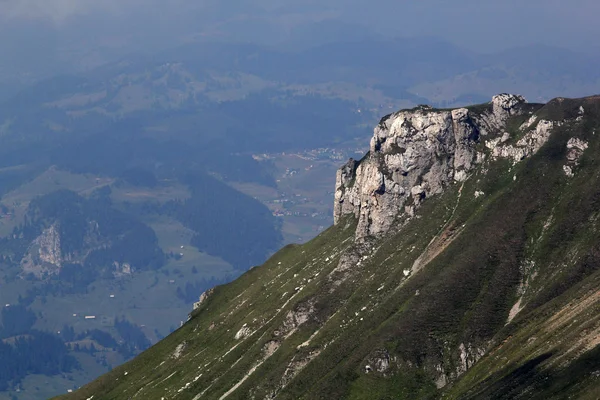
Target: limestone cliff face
point(44, 256)
point(417, 153)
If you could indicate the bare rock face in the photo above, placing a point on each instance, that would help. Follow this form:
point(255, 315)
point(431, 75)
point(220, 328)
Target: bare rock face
point(122, 269)
point(503, 106)
point(243, 333)
point(203, 297)
point(379, 361)
point(294, 319)
point(530, 143)
point(44, 256)
point(575, 149)
point(418, 153)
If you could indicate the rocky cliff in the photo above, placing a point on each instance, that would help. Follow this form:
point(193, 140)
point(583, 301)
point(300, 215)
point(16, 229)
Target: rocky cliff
point(418, 153)
point(65, 232)
point(464, 264)
point(44, 255)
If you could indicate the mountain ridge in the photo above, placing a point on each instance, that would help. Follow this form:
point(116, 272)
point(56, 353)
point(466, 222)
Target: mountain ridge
point(463, 264)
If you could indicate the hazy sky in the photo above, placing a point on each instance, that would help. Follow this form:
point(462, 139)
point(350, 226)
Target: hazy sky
point(478, 24)
point(45, 37)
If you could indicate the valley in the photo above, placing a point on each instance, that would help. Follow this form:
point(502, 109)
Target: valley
point(156, 301)
point(142, 166)
point(370, 307)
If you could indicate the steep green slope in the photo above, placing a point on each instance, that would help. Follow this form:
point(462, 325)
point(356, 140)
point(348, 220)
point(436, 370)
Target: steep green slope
point(491, 290)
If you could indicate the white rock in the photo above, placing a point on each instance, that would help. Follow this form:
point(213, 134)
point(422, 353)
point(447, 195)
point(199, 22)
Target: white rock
point(205, 295)
point(575, 149)
point(575, 143)
point(242, 333)
point(529, 123)
point(415, 154)
point(529, 144)
point(44, 255)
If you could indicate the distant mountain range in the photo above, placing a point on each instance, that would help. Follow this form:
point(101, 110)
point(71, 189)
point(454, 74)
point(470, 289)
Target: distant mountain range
point(159, 139)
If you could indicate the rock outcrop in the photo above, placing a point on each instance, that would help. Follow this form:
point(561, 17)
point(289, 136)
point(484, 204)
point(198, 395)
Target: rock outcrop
point(526, 146)
point(203, 297)
point(575, 149)
point(44, 256)
point(418, 153)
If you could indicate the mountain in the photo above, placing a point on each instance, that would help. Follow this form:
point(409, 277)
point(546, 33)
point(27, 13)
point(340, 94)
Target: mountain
point(347, 62)
point(463, 263)
point(210, 156)
point(540, 72)
point(128, 191)
point(77, 36)
point(89, 278)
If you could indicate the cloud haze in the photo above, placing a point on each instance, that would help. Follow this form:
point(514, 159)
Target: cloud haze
point(55, 10)
point(409, 13)
point(54, 35)
point(473, 22)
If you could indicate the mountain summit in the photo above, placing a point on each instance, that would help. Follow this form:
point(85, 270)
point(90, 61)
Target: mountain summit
point(464, 263)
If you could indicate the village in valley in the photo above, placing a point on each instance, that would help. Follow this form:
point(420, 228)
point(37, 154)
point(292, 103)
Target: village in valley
point(303, 198)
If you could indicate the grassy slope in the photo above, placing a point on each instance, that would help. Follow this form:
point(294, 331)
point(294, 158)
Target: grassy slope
point(534, 233)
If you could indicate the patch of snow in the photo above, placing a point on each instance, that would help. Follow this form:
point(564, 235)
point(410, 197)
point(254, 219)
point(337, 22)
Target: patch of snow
point(516, 308)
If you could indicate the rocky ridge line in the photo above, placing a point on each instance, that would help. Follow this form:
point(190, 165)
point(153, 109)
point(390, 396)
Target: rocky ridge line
point(418, 153)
